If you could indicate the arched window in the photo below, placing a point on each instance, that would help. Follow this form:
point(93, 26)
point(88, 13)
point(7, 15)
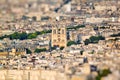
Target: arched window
point(54, 31)
point(54, 40)
point(62, 31)
point(63, 40)
point(58, 39)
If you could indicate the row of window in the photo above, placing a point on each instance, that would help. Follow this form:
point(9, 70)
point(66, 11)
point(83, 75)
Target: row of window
point(59, 40)
point(59, 32)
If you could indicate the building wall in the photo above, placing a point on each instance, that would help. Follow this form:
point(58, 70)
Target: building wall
point(96, 20)
point(36, 14)
point(119, 19)
point(31, 75)
point(3, 54)
point(101, 7)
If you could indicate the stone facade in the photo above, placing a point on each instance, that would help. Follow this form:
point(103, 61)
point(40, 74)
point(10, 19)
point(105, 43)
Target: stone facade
point(59, 36)
point(31, 75)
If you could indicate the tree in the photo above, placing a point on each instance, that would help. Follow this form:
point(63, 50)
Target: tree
point(103, 73)
point(94, 39)
point(61, 48)
point(34, 18)
point(101, 38)
point(71, 43)
point(23, 36)
point(38, 33)
point(81, 52)
point(53, 48)
point(76, 27)
point(87, 41)
point(24, 17)
point(40, 50)
point(14, 36)
point(78, 41)
point(32, 35)
point(115, 35)
point(28, 51)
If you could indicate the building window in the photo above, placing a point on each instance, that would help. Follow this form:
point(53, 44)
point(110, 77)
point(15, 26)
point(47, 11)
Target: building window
point(63, 40)
point(62, 31)
point(58, 39)
point(54, 31)
point(58, 36)
point(58, 32)
point(58, 29)
point(54, 40)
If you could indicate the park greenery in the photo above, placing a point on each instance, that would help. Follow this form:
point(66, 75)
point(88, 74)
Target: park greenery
point(53, 48)
point(103, 73)
point(81, 52)
point(28, 51)
point(61, 48)
point(115, 35)
point(37, 50)
point(76, 27)
point(23, 35)
point(94, 39)
point(69, 43)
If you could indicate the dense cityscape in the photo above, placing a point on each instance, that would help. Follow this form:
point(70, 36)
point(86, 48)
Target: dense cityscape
point(59, 39)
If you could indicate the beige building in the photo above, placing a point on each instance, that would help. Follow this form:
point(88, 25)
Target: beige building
point(13, 52)
point(96, 20)
point(31, 75)
point(0, 32)
point(59, 38)
point(104, 7)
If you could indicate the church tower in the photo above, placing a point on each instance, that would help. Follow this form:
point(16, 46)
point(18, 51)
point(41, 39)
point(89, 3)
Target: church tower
point(59, 36)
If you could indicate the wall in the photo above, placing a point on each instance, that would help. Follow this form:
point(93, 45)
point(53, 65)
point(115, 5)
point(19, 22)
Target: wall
point(31, 75)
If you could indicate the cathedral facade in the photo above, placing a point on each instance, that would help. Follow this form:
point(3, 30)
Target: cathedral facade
point(59, 36)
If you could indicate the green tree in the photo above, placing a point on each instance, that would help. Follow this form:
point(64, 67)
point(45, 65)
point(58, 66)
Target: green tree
point(23, 36)
point(71, 43)
point(81, 52)
point(101, 38)
point(14, 35)
point(34, 18)
point(87, 41)
point(115, 35)
point(28, 51)
point(76, 27)
point(103, 73)
point(38, 33)
point(78, 42)
point(24, 17)
point(53, 48)
point(94, 39)
point(32, 35)
point(61, 48)
point(40, 50)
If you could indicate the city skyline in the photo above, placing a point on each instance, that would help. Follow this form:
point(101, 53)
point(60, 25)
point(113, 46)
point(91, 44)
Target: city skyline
point(59, 40)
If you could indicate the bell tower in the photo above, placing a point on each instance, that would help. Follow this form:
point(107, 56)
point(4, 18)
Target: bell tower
point(59, 36)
